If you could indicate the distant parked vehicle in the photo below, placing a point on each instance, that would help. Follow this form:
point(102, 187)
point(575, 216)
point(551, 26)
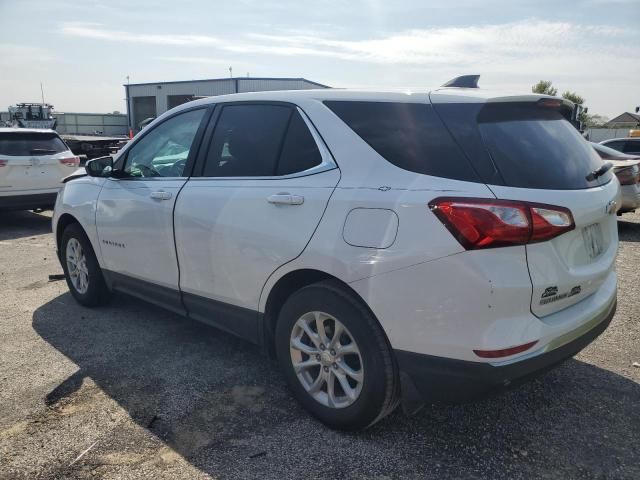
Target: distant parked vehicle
point(627, 169)
point(32, 165)
point(630, 145)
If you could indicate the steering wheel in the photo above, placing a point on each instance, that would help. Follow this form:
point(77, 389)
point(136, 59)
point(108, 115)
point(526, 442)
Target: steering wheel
point(147, 169)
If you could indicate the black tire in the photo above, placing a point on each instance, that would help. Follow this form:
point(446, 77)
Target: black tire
point(380, 387)
point(97, 292)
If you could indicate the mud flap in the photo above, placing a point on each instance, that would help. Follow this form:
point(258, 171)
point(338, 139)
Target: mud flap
point(410, 397)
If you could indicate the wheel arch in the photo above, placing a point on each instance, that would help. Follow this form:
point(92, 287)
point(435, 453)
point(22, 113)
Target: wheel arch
point(290, 283)
point(64, 221)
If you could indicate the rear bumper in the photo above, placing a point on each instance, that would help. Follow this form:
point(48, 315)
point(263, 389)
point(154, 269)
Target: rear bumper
point(430, 379)
point(630, 198)
point(28, 202)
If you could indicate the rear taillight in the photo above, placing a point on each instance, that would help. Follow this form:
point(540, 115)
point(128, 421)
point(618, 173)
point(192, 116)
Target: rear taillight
point(484, 223)
point(3, 163)
point(70, 161)
point(628, 175)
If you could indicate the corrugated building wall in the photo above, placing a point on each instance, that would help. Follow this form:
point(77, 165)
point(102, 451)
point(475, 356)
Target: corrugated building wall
point(146, 100)
point(86, 123)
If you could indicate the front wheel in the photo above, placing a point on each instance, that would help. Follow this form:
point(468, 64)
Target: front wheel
point(336, 357)
point(81, 269)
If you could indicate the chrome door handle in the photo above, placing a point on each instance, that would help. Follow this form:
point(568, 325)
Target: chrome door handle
point(285, 199)
point(160, 195)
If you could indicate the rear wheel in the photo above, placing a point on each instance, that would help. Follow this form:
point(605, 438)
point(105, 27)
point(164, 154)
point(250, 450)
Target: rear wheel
point(81, 269)
point(336, 357)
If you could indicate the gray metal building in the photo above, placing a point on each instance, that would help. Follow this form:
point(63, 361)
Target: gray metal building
point(108, 124)
point(146, 100)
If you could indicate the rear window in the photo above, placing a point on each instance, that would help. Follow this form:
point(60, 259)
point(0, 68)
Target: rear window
point(20, 144)
point(408, 135)
point(534, 147)
point(632, 146)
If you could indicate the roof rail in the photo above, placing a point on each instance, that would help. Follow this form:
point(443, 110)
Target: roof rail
point(464, 81)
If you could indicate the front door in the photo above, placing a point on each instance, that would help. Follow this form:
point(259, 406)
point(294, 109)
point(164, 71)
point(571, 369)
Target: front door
point(253, 207)
point(134, 215)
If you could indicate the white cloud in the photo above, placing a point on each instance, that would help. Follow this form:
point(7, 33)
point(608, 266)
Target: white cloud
point(475, 45)
point(96, 31)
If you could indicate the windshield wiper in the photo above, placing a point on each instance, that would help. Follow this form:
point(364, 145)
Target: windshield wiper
point(599, 172)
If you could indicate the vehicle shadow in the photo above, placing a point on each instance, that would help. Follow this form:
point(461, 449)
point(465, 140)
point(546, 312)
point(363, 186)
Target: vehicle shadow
point(23, 223)
point(628, 231)
point(217, 402)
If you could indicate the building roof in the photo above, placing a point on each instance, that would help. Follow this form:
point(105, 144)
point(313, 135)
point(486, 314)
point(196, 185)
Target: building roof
point(626, 117)
point(227, 79)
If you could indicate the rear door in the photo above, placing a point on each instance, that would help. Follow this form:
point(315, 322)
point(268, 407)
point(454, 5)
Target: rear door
point(33, 161)
point(537, 156)
point(253, 205)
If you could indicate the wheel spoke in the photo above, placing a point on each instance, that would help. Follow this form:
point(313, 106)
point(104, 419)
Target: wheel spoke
point(348, 390)
point(305, 364)
point(337, 333)
point(320, 327)
point(317, 384)
point(356, 375)
point(347, 349)
point(297, 344)
point(310, 333)
point(331, 394)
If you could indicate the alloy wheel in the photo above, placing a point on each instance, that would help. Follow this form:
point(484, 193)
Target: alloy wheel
point(326, 359)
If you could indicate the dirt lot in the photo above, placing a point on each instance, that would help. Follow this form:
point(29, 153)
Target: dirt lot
point(146, 394)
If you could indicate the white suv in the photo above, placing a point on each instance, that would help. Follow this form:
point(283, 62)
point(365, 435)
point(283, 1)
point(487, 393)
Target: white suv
point(33, 163)
point(385, 247)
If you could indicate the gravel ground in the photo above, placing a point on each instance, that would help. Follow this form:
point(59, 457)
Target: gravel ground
point(129, 391)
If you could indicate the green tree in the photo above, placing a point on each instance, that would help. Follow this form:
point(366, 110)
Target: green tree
point(544, 87)
point(573, 97)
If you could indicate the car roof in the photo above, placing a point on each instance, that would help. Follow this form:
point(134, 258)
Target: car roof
point(635, 139)
point(439, 95)
point(26, 130)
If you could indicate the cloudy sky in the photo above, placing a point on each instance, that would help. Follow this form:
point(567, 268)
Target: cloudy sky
point(82, 51)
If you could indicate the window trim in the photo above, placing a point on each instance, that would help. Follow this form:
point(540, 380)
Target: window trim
point(121, 159)
point(327, 161)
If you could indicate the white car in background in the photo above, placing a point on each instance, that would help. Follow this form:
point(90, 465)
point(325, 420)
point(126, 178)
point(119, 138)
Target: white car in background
point(626, 168)
point(386, 247)
point(33, 163)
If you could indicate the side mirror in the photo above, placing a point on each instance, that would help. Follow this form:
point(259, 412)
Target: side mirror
point(99, 167)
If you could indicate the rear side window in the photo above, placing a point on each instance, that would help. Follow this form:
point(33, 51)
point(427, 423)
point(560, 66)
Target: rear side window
point(535, 147)
point(299, 152)
point(247, 141)
point(22, 144)
point(408, 135)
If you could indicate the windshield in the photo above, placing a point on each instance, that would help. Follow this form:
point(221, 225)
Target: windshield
point(23, 144)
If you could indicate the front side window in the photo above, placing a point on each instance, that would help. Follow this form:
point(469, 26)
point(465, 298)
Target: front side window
point(163, 152)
